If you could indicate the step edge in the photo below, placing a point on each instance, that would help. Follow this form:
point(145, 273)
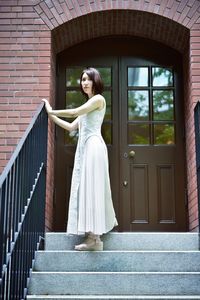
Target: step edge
point(120, 251)
point(117, 273)
point(130, 233)
point(114, 297)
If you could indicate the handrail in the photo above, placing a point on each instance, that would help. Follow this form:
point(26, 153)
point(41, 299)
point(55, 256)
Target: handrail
point(22, 208)
point(20, 144)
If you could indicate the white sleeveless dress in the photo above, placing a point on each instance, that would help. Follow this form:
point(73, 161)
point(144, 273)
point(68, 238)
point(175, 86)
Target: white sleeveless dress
point(90, 206)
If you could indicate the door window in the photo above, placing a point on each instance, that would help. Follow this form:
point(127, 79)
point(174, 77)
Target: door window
point(150, 97)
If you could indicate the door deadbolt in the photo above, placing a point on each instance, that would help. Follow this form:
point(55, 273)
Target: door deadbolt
point(125, 183)
point(125, 154)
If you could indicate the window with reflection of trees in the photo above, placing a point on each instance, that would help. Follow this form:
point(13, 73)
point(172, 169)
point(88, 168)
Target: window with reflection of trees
point(74, 98)
point(151, 117)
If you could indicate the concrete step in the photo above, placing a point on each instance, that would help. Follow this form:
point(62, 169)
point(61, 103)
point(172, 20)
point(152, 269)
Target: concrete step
point(116, 297)
point(128, 241)
point(115, 283)
point(118, 261)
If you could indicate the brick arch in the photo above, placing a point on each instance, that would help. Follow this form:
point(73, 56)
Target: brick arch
point(55, 13)
point(121, 22)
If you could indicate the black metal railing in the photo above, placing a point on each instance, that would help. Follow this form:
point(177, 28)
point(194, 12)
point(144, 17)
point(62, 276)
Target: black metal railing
point(197, 140)
point(22, 208)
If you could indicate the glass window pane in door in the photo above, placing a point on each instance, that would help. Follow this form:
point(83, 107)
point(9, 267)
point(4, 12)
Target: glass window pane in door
point(138, 134)
point(163, 105)
point(107, 96)
point(74, 99)
point(162, 76)
point(138, 105)
point(107, 132)
point(137, 76)
point(106, 76)
point(73, 76)
point(164, 134)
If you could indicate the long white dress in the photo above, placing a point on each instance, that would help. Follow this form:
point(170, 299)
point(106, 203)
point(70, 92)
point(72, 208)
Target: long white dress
point(90, 206)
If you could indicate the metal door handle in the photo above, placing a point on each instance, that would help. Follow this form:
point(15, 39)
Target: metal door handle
point(131, 154)
point(125, 183)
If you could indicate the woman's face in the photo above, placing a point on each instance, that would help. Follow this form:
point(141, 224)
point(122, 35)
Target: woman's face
point(87, 85)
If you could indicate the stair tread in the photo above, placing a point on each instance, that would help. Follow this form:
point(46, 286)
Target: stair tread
point(113, 297)
point(120, 251)
point(132, 233)
point(128, 241)
point(109, 272)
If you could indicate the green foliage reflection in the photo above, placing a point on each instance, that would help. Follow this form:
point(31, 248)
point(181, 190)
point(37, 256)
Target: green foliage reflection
point(163, 105)
point(74, 99)
point(105, 75)
point(164, 134)
point(138, 105)
point(162, 76)
point(138, 134)
point(107, 96)
point(107, 133)
point(73, 77)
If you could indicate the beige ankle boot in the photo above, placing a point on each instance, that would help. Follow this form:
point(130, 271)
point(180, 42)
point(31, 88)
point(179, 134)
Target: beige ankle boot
point(92, 243)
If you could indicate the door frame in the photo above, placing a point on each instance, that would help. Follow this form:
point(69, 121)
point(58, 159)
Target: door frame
point(115, 46)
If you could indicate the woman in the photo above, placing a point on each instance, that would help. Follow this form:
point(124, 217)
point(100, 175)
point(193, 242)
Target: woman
point(91, 209)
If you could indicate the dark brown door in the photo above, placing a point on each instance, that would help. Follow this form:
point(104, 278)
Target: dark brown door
point(143, 132)
point(69, 96)
point(152, 155)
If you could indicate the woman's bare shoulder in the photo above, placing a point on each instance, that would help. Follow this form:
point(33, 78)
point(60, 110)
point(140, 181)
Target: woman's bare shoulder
point(101, 100)
point(98, 97)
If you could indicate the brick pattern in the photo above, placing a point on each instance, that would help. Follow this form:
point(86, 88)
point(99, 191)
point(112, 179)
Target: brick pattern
point(50, 154)
point(127, 22)
point(55, 13)
point(24, 70)
point(193, 98)
point(25, 59)
point(192, 95)
point(33, 32)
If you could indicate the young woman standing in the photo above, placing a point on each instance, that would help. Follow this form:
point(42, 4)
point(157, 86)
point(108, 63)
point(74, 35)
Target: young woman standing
point(91, 209)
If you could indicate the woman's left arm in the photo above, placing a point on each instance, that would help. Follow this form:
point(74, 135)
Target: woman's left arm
point(93, 103)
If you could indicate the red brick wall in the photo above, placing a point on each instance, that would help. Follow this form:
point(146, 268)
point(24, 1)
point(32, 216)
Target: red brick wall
point(193, 98)
point(25, 60)
point(33, 32)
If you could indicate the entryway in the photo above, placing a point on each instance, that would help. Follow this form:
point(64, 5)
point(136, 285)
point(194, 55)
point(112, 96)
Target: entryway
point(143, 129)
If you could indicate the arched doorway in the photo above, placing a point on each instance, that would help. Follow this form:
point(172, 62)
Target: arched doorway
point(143, 130)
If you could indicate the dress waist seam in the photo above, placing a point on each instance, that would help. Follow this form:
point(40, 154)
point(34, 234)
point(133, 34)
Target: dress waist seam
point(93, 134)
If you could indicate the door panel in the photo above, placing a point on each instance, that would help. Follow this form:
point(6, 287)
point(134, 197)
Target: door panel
point(139, 189)
point(142, 130)
point(151, 147)
point(166, 194)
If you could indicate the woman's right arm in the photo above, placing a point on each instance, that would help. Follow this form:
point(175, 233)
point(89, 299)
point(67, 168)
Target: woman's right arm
point(64, 124)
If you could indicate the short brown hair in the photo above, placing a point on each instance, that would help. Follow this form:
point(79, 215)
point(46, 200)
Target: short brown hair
point(95, 76)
